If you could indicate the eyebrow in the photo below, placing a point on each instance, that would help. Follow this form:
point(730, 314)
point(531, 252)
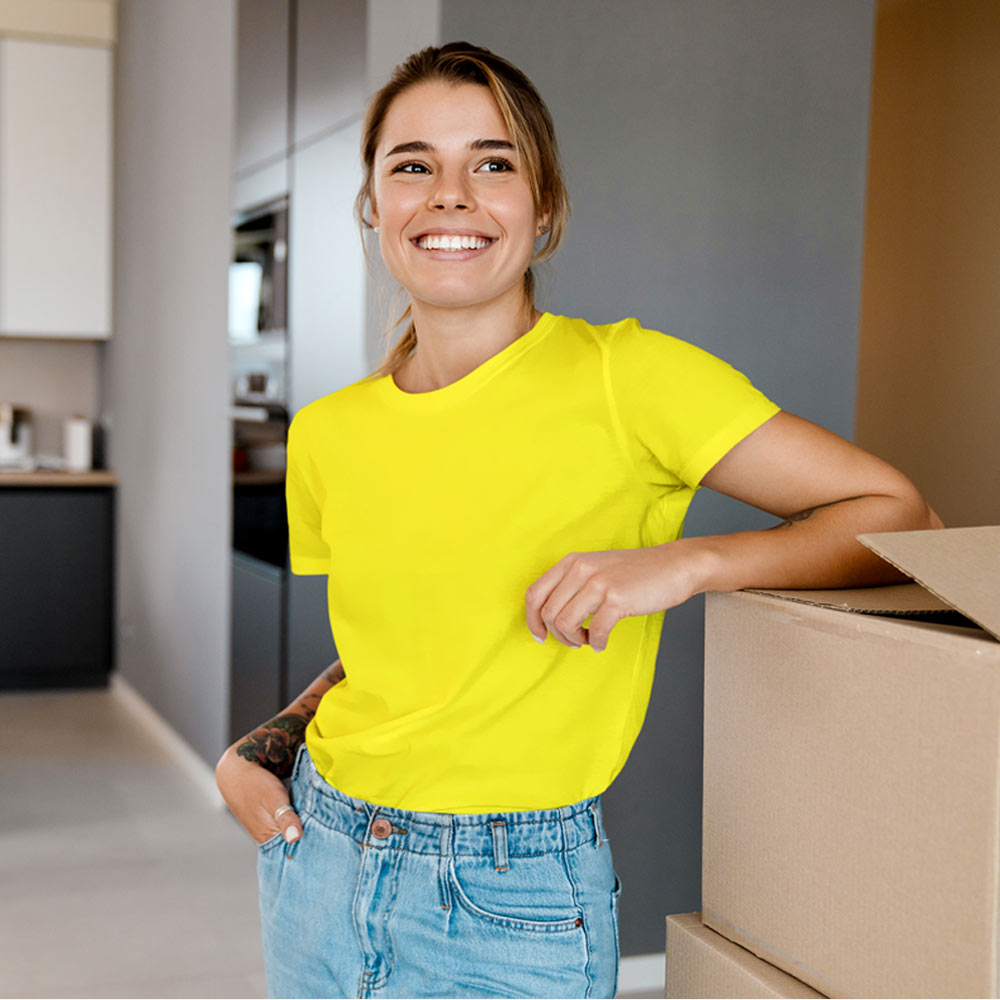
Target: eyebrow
point(419, 146)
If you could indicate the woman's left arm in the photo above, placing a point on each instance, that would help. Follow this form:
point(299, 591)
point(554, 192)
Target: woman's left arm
point(825, 489)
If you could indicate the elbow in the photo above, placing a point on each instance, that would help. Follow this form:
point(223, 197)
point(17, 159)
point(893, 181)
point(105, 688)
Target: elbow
point(915, 512)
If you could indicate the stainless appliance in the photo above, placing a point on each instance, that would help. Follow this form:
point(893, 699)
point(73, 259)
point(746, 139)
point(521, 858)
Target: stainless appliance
point(258, 275)
point(258, 347)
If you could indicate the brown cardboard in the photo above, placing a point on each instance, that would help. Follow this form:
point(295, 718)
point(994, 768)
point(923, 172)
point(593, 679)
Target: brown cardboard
point(701, 963)
point(960, 565)
point(852, 768)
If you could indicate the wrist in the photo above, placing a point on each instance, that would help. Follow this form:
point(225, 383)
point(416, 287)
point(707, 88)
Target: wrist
point(699, 564)
point(275, 744)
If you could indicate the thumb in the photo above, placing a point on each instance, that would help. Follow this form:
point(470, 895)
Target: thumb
point(288, 822)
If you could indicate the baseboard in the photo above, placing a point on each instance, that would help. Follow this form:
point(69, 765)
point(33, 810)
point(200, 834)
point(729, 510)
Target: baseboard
point(181, 752)
point(642, 973)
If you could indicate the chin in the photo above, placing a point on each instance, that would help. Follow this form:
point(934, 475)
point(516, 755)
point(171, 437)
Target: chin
point(461, 296)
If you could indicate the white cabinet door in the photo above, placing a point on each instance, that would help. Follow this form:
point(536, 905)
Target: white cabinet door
point(55, 190)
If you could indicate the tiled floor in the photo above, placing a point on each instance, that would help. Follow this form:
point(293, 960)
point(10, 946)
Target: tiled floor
point(118, 876)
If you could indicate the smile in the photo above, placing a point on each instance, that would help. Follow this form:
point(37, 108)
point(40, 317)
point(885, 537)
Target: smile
point(440, 241)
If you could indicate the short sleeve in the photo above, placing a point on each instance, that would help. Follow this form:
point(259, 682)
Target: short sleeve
point(305, 495)
point(681, 408)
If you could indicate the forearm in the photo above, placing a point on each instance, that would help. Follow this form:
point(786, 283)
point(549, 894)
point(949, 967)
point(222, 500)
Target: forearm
point(275, 743)
point(814, 549)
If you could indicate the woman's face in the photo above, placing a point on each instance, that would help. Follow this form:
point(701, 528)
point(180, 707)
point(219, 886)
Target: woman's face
point(456, 217)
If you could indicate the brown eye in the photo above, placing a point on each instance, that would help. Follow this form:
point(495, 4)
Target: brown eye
point(410, 168)
point(496, 166)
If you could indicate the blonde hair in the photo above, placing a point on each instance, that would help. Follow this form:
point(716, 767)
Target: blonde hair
point(530, 126)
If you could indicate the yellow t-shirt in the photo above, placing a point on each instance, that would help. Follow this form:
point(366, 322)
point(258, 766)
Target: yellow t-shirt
point(433, 512)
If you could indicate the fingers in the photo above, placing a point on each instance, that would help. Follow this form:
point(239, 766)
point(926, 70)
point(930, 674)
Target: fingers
point(567, 609)
point(283, 819)
point(562, 599)
point(537, 594)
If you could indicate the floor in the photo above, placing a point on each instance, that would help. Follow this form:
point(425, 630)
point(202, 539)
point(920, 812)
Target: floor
point(118, 876)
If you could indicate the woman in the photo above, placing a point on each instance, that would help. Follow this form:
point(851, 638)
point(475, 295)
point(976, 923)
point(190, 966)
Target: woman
point(506, 476)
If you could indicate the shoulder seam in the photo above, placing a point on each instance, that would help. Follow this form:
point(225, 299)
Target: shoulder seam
point(612, 403)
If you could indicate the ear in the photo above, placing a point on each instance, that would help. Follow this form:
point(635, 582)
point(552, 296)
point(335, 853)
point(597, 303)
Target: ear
point(374, 209)
point(544, 223)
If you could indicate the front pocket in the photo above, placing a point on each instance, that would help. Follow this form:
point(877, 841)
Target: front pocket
point(278, 840)
point(505, 899)
point(270, 843)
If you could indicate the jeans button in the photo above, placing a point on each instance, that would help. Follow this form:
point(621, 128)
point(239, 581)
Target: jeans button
point(381, 828)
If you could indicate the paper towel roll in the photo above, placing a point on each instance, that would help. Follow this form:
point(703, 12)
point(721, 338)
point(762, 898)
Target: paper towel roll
point(77, 444)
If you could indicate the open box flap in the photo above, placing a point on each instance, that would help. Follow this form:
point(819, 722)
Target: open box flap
point(899, 600)
point(959, 565)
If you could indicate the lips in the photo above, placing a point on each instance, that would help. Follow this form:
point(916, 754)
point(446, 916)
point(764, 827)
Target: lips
point(452, 241)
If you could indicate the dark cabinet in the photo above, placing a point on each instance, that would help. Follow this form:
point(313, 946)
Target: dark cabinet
point(56, 586)
point(281, 639)
point(257, 647)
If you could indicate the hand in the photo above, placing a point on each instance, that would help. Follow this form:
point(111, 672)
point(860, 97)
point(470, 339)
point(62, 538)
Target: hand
point(610, 586)
point(253, 794)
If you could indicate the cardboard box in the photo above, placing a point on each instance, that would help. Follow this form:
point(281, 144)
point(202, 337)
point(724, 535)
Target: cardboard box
point(852, 768)
point(701, 963)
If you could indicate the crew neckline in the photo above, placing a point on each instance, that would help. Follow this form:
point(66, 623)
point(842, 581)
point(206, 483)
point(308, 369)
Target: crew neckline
point(468, 384)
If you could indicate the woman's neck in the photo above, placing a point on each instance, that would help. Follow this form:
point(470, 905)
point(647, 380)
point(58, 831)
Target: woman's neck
point(453, 342)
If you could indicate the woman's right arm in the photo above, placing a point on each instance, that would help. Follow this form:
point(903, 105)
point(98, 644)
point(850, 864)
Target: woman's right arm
point(249, 774)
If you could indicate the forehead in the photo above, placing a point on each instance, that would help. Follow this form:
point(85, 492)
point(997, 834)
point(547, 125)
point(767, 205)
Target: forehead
point(442, 114)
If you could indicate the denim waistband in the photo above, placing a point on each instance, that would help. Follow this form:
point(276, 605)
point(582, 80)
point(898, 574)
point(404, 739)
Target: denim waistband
point(510, 834)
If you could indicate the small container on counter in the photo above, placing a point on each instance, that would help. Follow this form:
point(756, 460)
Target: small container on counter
point(78, 444)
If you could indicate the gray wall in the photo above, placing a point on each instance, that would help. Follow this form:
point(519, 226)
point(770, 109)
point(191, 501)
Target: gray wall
point(715, 151)
point(166, 368)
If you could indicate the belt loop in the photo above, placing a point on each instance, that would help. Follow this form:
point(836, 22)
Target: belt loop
point(500, 861)
point(597, 825)
point(444, 862)
point(297, 765)
point(303, 782)
point(446, 835)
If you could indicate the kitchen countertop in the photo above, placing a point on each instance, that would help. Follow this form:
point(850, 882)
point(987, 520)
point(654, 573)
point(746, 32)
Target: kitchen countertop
point(258, 477)
point(46, 478)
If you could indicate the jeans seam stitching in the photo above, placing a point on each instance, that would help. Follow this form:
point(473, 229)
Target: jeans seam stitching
point(389, 955)
point(585, 926)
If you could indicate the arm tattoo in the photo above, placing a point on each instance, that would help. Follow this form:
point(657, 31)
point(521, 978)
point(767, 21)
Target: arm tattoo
point(275, 744)
point(802, 515)
point(805, 515)
point(334, 673)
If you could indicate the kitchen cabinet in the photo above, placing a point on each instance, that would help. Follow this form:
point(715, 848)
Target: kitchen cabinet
point(280, 640)
point(55, 189)
point(256, 672)
point(310, 643)
point(261, 83)
point(326, 270)
point(260, 160)
point(56, 585)
point(330, 47)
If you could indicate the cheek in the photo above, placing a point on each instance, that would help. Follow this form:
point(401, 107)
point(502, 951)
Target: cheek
point(520, 210)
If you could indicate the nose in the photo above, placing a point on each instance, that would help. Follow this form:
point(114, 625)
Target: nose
point(452, 191)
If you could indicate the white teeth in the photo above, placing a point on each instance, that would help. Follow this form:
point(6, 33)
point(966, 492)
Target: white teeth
point(438, 241)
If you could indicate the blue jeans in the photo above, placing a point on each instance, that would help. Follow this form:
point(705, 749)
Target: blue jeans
point(377, 902)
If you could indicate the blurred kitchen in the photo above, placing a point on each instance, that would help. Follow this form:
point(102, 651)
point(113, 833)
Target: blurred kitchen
point(180, 272)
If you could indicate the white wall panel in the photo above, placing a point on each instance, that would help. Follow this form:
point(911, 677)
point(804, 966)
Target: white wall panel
point(55, 189)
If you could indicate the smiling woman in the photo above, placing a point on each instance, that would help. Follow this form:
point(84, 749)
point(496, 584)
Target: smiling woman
point(457, 221)
point(507, 475)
